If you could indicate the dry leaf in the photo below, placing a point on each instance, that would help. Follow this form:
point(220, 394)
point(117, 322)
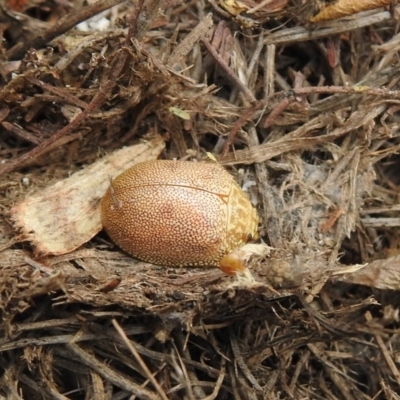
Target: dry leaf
point(234, 7)
point(343, 8)
point(379, 274)
point(180, 113)
point(65, 215)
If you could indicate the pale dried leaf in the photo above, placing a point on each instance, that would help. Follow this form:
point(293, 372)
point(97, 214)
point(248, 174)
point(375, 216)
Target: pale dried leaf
point(379, 274)
point(347, 7)
point(64, 216)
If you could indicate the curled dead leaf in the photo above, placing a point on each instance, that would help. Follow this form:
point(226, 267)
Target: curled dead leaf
point(343, 8)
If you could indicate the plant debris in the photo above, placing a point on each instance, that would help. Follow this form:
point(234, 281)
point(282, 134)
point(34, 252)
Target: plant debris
point(304, 116)
point(66, 215)
point(343, 8)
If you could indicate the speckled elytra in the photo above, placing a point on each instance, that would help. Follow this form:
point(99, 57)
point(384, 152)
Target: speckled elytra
point(178, 213)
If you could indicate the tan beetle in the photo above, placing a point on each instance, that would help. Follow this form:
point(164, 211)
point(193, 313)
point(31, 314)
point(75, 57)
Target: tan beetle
point(179, 213)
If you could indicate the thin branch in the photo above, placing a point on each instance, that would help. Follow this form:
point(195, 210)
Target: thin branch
point(63, 25)
point(230, 74)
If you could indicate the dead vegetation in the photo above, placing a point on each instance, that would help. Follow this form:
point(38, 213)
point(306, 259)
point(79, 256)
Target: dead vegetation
point(303, 114)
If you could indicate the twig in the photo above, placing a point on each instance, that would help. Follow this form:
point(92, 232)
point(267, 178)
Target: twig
point(182, 374)
point(277, 111)
point(385, 352)
point(327, 29)
point(230, 74)
point(290, 96)
point(142, 18)
point(139, 359)
point(218, 384)
point(300, 365)
point(109, 374)
point(269, 70)
point(243, 119)
point(190, 40)
point(242, 364)
point(61, 92)
point(219, 10)
point(21, 133)
point(63, 25)
point(255, 57)
point(272, 204)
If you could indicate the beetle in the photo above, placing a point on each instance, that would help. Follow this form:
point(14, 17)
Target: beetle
point(179, 213)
